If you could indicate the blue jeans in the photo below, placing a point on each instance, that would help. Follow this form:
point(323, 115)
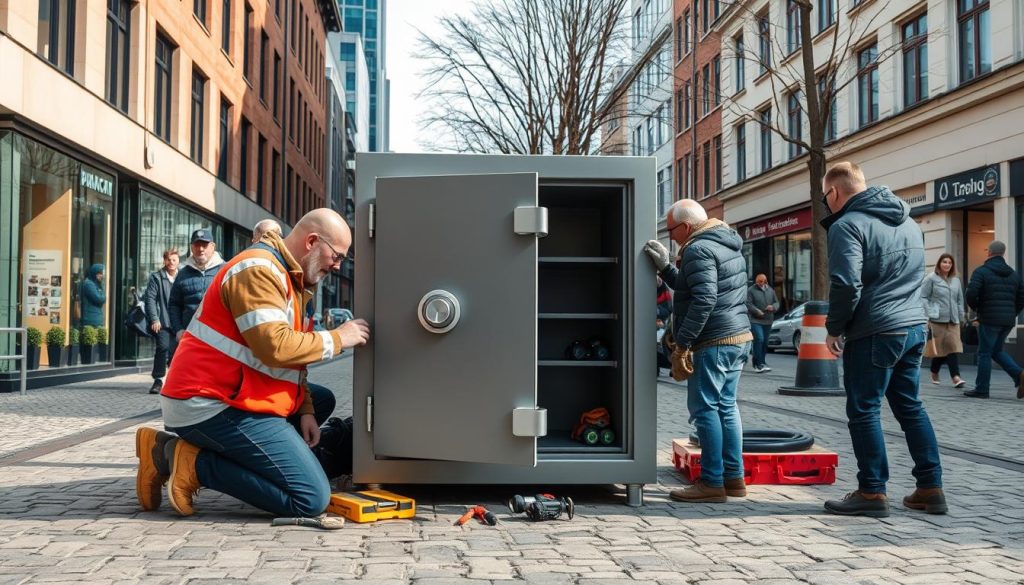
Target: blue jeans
point(261, 459)
point(760, 332)
point(711, 400)
point(990, 347)
point(888, 364)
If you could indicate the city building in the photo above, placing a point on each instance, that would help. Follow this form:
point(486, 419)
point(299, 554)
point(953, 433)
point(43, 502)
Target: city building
point(126, 125)
point(368, 19)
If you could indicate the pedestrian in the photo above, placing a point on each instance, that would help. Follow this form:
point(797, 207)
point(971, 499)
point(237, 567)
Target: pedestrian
point(244, 417)
point(876, 262)
point(157, 296)
point(710, 323)
point(263, 226)
point(93, 297)
point(664, 311)
point(996, 293)
point(943, 298)
point(761, 306)
point(195, 277)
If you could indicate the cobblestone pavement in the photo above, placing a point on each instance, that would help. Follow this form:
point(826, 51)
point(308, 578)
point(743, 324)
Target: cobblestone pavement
point(71, 515)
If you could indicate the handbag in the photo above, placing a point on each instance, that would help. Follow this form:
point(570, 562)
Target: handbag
point(135, 320)
point(930, 349)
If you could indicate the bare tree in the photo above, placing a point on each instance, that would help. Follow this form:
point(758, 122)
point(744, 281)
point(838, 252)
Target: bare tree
point(521, 76)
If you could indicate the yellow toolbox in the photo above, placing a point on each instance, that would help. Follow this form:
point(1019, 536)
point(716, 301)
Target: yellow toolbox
point(371, 505)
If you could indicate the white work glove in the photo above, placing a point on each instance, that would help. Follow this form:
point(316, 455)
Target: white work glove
point(658, 254)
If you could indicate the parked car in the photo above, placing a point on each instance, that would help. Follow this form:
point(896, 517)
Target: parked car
point(785, 333)
point(337, 316)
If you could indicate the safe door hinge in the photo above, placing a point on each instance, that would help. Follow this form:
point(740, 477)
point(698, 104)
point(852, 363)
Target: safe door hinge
point(530, 221)
point(369, 414)
point(372, 220)
point(529, 422)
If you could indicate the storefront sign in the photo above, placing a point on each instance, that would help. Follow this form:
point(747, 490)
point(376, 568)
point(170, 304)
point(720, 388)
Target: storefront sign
point(102, 184)
point(778, 225)
point(964, 189)
point(43, 284)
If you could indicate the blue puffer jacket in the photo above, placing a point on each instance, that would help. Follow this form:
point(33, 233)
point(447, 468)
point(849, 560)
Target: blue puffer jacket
point(189, 287)
point(875, 263)
point(92, 297)
point(996, 293)
point(711, 287)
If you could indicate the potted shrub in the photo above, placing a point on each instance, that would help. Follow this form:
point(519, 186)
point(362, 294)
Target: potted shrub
point(35, 342)
point(102, 340)
point(73, 341)
point(54, 345)
point(88, 339)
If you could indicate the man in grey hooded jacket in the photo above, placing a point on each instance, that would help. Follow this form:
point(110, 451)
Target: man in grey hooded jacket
point(876, 261)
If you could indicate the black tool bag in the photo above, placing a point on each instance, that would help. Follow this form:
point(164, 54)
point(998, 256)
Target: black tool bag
point(334, 451)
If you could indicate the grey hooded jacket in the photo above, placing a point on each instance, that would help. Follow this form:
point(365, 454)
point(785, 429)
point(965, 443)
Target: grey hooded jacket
point(876, 263)
point(943, 299)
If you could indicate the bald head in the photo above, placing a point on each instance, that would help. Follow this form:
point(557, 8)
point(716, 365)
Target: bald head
point(265, 226)
point(320, 242)
point(683, 217)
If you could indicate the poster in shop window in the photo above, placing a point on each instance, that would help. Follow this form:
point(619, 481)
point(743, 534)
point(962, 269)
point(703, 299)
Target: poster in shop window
point(43, 296)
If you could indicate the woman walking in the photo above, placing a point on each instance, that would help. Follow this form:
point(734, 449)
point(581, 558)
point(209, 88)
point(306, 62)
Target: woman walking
point(943, 298)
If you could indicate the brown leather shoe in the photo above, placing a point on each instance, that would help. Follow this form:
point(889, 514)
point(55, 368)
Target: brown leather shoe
point(736, 488)
point(931, 500)
point(153, 466)
point(1020, 388)
point(184, 483)
point(700, 492)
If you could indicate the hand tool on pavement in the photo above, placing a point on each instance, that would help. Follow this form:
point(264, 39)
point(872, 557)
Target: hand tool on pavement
point(542, 507)
point(483, 514)
point(322, 522)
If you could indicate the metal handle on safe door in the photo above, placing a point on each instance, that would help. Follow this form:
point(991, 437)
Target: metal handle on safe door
point(439, 311)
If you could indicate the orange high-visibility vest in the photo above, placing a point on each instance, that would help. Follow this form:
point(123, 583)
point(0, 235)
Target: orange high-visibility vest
point(213, 359)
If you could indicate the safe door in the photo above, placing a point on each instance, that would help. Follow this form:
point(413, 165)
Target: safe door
point(455, 318)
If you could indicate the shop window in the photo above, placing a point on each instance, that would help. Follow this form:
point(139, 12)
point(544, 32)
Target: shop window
point(56, 38)
point(118, 53)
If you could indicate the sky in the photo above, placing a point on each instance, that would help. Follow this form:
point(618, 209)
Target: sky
point(404, 17)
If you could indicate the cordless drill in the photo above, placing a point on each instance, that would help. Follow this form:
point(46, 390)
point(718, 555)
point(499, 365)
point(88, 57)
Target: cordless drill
point(542, 507)
point(482, 514)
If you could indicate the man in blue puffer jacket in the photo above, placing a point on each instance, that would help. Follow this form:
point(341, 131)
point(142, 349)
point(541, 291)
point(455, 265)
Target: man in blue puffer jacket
point(876, 263)
point(710, 320)
point(194, 277)
point(997, 294)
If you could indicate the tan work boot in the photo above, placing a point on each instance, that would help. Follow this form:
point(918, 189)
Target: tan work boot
point(699, 492)
point(184, 483)
point(931, 500)
point(154, 468)
point(736, 488)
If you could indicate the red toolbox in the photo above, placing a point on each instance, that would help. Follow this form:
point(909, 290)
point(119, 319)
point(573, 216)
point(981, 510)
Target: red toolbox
point(813, 466)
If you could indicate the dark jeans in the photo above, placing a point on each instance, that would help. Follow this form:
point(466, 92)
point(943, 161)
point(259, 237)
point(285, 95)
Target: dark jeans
point(951, 360)
point(990, 347)
point(166, 343)
point(760, 332)
point(888, 364)
point(261, 459)
point(711, 399)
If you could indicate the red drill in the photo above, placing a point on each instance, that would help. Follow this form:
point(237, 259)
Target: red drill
point(481, 513)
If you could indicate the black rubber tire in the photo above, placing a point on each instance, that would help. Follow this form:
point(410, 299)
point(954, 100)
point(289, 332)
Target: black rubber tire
point(796, 342)
point(771, 441)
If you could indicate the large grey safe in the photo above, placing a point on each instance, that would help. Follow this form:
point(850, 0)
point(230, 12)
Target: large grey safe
point(476, 272)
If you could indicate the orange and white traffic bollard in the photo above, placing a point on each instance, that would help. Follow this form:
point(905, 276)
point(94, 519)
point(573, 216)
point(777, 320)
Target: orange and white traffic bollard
point(817, 370)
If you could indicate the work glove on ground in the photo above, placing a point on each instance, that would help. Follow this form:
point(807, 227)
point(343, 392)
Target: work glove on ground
point(658, 254)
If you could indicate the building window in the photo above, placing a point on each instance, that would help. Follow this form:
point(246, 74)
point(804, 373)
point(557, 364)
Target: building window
point(740, 67)
point(796, 123)
point(707, 169)
point(705, 89)
point(680, 100)
point(261, 149)
point(664, 190)
point(225, 139)
point(716, 66)
point(162, 88)
point(718, 162)
point(637, 140)
point(243, 181)
point(975, 38)
point(741, 151)
point(679, 38)
point(225, 26)
point(867, 84)
point(687, 105)
point(765, 121)
point(704, 18)
point(118, 55)
point(198, 119)
point(650, 136)
point(291, 109)
point(684, 179)
point(792, 26)
point(826, 14)
point(199, 9)
point(764, 42)
point(264, 41)
point(686, 32)
point(56, 38)
point(277, 86)
point(275, 181)
point(827, 98)
point(247, 44)
point(289, 201)
point(915, 60)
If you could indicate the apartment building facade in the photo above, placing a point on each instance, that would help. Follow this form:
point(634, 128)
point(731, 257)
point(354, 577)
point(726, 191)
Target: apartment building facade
point(928, 101)
point(126, 125)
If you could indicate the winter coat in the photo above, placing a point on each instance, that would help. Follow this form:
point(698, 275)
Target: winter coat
point(664, 303)
point(943, 300)
point(189, 287)
point(92, 298)
point(710, 287)
point(996, 293)
point(757, 300)
point(157, 297)
point(875, 263)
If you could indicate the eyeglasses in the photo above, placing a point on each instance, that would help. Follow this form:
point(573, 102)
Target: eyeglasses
point(336, 257)
point(824, 198)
